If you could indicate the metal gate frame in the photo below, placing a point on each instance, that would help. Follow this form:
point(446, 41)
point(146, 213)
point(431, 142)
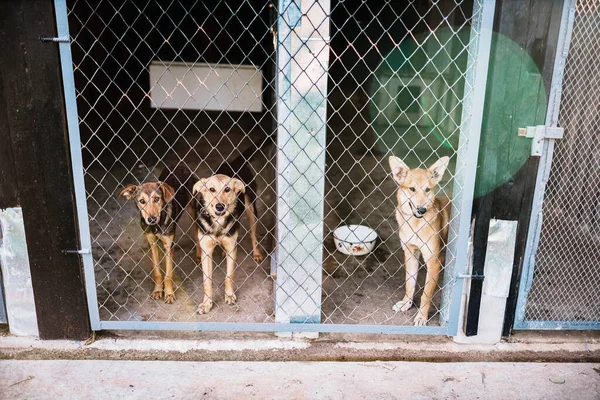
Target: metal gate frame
point(473, 101)
point(543, 173)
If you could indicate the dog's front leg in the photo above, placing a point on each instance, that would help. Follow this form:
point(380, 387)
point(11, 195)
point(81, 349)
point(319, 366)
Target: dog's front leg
point(230, 245)
point(411, 265)
point(251, 214)
point(167, 241)
point(434, 267)
point(156, 273)
point(207, 245)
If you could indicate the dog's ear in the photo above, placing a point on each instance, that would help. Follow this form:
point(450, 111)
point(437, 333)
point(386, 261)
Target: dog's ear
point(128, 191)
point(238, 186)
point(438, 168)
point(199, 186)
point(167, 191)
point(399, 169)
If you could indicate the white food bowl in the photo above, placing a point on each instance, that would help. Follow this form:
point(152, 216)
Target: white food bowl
point(355, 240)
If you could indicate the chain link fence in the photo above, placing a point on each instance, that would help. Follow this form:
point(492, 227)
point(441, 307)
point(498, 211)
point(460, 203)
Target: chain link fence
point(566, 284)
point(195, 83)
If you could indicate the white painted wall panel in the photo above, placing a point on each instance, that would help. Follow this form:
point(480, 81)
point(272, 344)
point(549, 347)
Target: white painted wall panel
point(199, 86)
point(16, 275)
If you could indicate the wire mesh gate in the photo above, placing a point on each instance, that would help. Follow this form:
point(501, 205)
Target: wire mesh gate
point(560, 284)
point(312, 98)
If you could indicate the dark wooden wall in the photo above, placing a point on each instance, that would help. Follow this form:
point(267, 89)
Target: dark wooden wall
point(35, 171)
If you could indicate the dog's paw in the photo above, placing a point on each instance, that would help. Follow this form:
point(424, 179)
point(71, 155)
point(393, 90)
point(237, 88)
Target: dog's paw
point(257, 256)
point(230, 298)
point(403, 305)
point(157, 293)
point(420, 319)
point(205, 307)
point(170, 297)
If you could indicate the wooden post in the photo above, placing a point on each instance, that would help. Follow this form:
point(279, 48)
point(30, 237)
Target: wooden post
point(32, 121)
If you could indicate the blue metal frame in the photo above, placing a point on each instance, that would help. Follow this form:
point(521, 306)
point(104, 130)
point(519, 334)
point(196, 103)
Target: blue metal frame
point(273, 327)
point(535, 224)
point(66, 61)
point(470, 131)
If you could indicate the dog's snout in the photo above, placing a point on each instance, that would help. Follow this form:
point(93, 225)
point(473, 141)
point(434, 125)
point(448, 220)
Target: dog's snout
point(151, 220)
point(421, 210)
point(220, 207)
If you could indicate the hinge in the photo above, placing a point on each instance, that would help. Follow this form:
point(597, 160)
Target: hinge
point(467, 276)
point(539, 133)
point(60, 39)
point(79, 251)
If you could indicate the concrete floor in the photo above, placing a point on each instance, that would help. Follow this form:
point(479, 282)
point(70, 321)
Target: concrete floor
point(94, 379)
point(224, 365)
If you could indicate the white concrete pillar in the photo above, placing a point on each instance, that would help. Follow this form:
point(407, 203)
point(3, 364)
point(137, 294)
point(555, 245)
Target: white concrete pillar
point(302, 62)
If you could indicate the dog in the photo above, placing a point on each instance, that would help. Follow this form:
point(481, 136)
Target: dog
point(161, 203)
point(423, 228)
point(219, 207)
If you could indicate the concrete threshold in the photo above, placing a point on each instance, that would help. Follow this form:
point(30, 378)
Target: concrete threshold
point(201, 346)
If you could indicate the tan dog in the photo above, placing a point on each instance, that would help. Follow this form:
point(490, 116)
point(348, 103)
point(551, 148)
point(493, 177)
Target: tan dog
point(423, 227)
point(218, 210)
point(161, 203)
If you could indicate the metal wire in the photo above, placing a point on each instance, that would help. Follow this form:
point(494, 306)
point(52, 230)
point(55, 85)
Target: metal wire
point(396, 85)
point(566, 284)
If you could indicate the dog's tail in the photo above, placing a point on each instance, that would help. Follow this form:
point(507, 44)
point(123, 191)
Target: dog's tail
point(261, 147)
point(181, 178)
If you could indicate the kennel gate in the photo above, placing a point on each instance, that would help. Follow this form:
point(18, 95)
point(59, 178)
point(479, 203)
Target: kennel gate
point(112, 36)
point(560, 285)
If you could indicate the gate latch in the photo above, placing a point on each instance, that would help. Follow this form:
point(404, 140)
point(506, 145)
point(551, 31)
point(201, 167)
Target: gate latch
point(538, 134)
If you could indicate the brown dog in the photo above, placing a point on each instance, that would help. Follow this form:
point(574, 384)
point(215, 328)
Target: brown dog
point(423, 228)
point(218, 210)
point(161, 203)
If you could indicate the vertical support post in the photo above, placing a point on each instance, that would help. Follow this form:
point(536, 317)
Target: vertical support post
point(466, 165)
point(302, 59)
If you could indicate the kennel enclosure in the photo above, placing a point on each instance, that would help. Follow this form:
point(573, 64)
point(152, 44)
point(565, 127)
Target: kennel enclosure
point(336, 86)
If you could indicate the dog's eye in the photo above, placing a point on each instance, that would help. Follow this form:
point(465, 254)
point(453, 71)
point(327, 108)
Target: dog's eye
point(142, 201)
point(227, 190)
point(412, 189)
point(428, 189)
point(156, 199)
point(212, 189)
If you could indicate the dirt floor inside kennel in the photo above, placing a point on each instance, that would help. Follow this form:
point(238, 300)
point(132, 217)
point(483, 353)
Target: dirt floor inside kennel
point(356, 290)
